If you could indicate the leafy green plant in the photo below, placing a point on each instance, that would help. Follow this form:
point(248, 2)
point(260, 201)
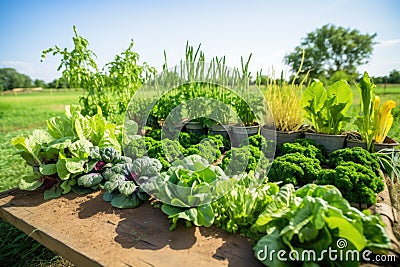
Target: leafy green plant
point(383, 118)
point(65, 151)
point(244, 159)
point(327, 108)
point(315, 218)
point(356, 155)
point(111, 88)
point(123, 190)
point(190, 184)
point(294, 168)
point(238, 210)
point(357, 183)
point(306, 147)
point(365, 120)
point(207, 149)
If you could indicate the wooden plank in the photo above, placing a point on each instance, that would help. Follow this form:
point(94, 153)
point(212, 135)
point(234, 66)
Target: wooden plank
point(89, 232)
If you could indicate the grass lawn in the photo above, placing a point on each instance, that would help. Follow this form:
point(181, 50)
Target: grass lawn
point(20, 114)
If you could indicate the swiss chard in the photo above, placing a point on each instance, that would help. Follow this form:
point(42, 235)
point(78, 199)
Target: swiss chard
point(65, 150)
point(327, 108)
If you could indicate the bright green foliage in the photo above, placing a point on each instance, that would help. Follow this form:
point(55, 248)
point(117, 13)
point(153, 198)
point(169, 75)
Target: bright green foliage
point(112, 88)
point(357, 155)
point(200, 216)
point(65, 150)
point(191, 184)
point(257, 141)
point(239, 208)
point(358, 183)
point(306, 147)
point(365, 121)
point(123, 190)
point(207, 149)
point(244, 159)
point(315, 218)
point(165, 151)
point(330, 49)
point(327, 108)
point(294, 168)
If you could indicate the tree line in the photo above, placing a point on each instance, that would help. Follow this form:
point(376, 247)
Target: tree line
point(11, 78)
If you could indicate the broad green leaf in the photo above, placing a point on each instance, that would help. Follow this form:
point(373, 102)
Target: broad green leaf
point(59, 127)
point(205, 216)
point(347, 230)
point(127, 188)
point(314, 96)
point(62, 171)
point(54, 192)
point(82, 127)
point(66, 186)
point(341, 92)
point(75, 165)
point(41, 137)
point(30, 182)
point(48, 169)
point(90, 179)
point(114, 182)
point(59, 144)
point(80, 148)
point(29, 149)
point(126, 202)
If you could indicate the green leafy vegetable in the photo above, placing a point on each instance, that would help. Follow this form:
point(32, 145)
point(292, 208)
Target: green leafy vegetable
point(315, 218)
point(327, 108)
point(294, 168)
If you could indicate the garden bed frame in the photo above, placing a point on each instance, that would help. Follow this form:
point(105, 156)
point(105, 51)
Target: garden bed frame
point(87, 231)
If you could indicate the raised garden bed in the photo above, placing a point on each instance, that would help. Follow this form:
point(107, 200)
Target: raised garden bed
point(89, 232)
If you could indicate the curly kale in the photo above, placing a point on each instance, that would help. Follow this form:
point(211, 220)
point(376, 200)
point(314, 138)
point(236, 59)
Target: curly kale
point(165, 151)
point(246, 158)
point(305, 147)
point(357, 183)
point(207, 149)
point(187, 140)
point(257, 141)
point(357, 155)
point(294, 168)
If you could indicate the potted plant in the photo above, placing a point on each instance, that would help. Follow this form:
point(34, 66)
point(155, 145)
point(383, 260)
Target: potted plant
point(374, 121)
point(249, 106)
point(284, 101)
point(327, 111)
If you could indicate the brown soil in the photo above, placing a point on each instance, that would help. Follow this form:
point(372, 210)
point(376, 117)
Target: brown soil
point(89, 232)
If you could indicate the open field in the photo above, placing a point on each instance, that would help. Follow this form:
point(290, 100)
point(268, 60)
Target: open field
point(20, 114)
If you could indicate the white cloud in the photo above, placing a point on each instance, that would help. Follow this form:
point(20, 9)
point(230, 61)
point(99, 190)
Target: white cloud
point(388, 42)
point(20, 66)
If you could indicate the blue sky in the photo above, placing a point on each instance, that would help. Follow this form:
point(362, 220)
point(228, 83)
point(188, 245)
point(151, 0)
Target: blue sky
point(268, 29)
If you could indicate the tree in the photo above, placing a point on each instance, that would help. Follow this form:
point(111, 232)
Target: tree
point(10, 79)
point(331, 49)
point(394, 76)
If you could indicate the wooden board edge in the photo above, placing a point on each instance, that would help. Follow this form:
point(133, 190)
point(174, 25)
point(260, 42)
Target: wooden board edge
point(48, 241)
